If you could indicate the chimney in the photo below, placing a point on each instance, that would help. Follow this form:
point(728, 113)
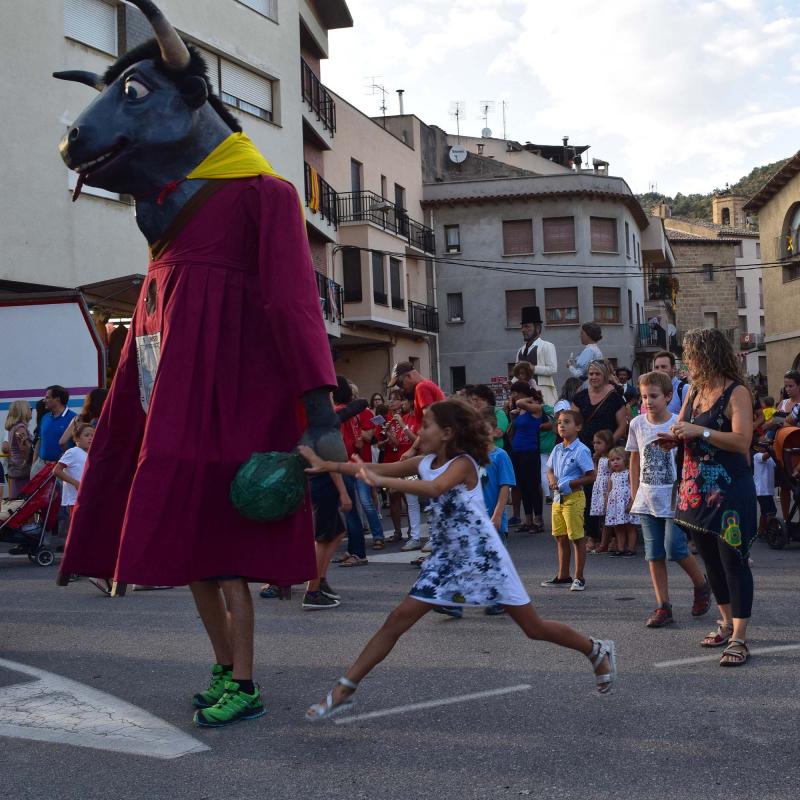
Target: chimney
point(400, 99)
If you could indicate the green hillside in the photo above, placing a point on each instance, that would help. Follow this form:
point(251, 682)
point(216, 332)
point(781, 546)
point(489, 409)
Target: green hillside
point(698, 206)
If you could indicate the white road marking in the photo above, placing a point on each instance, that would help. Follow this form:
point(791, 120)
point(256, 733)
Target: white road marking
point(56, 709)
point(780, 648)
point(445, 701)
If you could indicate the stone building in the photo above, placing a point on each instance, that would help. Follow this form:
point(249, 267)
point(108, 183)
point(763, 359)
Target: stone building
point(706, 284)
point(777, 205)
point(727, 209)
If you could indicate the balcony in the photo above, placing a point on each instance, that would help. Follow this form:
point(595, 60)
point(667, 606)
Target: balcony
point(370, 207)
point(749, 342)
point(651, 337)
point(423, 318)
point(331, 297)
point(318, 98)
point(320, 197)
point(660, 286)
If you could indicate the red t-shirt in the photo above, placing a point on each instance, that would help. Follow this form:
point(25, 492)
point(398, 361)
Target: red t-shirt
point(365, 423)
point(426, 393)
point(351, 430)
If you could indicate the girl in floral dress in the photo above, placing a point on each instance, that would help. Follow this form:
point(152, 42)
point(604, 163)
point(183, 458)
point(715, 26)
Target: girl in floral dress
point(602, 443)
point(619, 520)
point(469, 566)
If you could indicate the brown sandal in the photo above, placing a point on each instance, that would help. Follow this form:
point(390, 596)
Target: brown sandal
point(735, 654)
point(395, 538)
point(378, 544)
point(354, 561)
point(718, 637)
point(340, 559)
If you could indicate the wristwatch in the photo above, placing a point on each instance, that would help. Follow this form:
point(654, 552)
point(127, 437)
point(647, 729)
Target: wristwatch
point(706, 434)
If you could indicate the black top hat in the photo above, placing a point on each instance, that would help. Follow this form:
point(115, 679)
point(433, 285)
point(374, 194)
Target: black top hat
point(531, 316)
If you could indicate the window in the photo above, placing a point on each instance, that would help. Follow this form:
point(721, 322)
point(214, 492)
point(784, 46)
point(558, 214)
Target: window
point(458, 378)
point(400, 209)
point(758, 249)
point(245, 90)
point(708, 272)
point(742, 323)
point(383, 187)
point(627, 240)
point(378, 280)
point(92, 22)
point(516, 300)
point(762, 328)
point(269, 8)
point(709, 319)
point(517, 237)
point(761, 293)
point(604, 234)
point(606, 304)
point(351, 268)
point(630, 308)
point(741, 301)
point(559, 234)
point(738, 250)
point(726, 216)
point(452, 238)
point(395, 283)
point(455, 307)
point(561, 306)
point(791, 273)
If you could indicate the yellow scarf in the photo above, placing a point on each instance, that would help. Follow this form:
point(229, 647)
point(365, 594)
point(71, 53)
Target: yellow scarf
point(236, 157)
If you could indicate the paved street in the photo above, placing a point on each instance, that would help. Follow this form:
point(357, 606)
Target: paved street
point(685, 730)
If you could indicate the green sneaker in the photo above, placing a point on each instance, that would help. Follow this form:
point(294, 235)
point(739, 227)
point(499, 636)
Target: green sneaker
point(234, 705)
point(215, 689)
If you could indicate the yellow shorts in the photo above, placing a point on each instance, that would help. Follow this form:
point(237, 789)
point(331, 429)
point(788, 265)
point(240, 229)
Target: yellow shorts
point(568, 515)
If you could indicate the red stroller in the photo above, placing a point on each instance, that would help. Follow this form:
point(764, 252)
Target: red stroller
point(29, 520)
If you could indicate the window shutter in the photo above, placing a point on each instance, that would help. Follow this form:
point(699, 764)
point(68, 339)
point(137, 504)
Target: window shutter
point(269, 8)
point(212, 62)
point(517, 237)
point(455, 306)
point(606, 303)
point(516, 300)
point(604, 234)
point(559, 234)
point(561, 305)
point(246, 85)
point(92, 22)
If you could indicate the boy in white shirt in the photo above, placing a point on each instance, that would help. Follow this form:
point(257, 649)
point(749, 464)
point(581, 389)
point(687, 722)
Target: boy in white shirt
point(764, 478)
point(653, 476)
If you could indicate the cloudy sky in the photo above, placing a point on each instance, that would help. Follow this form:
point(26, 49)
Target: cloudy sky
point(682, 93)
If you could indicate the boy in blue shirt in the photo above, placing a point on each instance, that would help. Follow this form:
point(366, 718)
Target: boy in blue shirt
point(569, 469)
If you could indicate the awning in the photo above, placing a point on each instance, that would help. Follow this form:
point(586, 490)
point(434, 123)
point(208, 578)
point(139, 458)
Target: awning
point(118, 295)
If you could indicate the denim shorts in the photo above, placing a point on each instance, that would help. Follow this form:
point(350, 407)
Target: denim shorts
point(662, 539)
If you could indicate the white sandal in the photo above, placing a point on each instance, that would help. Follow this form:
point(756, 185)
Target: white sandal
point(601, 649)
point(328, 708)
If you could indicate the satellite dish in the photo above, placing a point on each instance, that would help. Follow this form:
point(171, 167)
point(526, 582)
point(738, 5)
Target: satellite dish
point(486, 133)
point(458, 154)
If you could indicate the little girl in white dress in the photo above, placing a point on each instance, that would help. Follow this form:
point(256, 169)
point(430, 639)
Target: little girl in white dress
point(619, 520)
point(469, 566)
point(602, 442)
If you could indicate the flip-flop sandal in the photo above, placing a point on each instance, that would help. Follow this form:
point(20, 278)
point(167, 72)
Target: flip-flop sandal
point(719, 637)
point(378, 544)
point(735, 654)
point(354, 561)
point(340, 559)
point(328, 709)
point(600, 649)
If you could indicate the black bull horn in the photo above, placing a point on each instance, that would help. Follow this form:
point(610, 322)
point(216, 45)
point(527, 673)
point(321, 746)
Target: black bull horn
point(173, 50)
point(81, 76)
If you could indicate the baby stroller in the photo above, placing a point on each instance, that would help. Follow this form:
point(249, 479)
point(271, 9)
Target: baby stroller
point(786, 452)
point(29, 520)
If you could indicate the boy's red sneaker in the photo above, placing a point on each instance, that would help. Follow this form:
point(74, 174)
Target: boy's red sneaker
point(661, 617)
point(702, 600)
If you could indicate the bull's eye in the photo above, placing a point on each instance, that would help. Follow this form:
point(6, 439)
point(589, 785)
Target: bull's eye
point(135, 90)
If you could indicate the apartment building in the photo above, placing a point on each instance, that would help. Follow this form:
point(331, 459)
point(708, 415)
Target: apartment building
point(568, 240)
point(263, 57)
point(384, 251)
point(777, 205)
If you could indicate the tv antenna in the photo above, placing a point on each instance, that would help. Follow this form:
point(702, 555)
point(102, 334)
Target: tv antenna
point(504, 105)
point(487, 107)
point(373, 87)
point(457, 112)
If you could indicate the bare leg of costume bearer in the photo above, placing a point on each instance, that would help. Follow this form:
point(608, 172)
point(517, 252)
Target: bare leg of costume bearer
point(216, 619)
point(240, 610)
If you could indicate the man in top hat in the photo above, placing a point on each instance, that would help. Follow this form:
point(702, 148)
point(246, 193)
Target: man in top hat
point(540, 354)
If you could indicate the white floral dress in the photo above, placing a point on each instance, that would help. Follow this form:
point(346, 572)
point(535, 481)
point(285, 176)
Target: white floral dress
point(468, 565)
point(598, 506)
point(618, 499)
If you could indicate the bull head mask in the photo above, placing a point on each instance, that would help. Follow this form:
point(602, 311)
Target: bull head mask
point(156, 116)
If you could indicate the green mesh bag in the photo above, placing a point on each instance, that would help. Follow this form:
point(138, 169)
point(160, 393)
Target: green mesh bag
point(269, 486)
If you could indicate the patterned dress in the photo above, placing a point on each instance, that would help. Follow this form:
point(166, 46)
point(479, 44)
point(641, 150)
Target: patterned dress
point(717, 494)
point(469, 566)
point(598, 505)
point(618, 499)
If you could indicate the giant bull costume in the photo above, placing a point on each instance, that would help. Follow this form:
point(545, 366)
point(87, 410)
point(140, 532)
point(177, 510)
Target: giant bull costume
point(227, 352)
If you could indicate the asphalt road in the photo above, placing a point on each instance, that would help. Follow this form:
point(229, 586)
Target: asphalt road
point(685, 731)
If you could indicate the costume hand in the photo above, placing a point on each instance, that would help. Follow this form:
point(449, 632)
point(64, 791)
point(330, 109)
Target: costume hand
point(686, 430)
point(317, 464)
point(327, 442)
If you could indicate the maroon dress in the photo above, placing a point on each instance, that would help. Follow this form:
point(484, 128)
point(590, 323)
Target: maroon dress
point(226, 338)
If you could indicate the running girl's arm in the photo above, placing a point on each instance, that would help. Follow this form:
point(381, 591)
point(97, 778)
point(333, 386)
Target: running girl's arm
point(398, 469)
point(60, 471)
point(345, 503)
point(458, 472)
point(633, 472)
point(502, 502)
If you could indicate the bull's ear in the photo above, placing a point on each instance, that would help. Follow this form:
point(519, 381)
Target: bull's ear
point(194, 91)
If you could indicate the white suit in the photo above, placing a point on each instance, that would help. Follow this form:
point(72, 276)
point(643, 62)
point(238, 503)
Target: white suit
point(545, 369)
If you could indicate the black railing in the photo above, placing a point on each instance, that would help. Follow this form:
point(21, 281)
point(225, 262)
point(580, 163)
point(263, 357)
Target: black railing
point(331, 296)
point(651, 336)
point(328, 207)
point(317, 97)
point(423, 318)
point(370, 207)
